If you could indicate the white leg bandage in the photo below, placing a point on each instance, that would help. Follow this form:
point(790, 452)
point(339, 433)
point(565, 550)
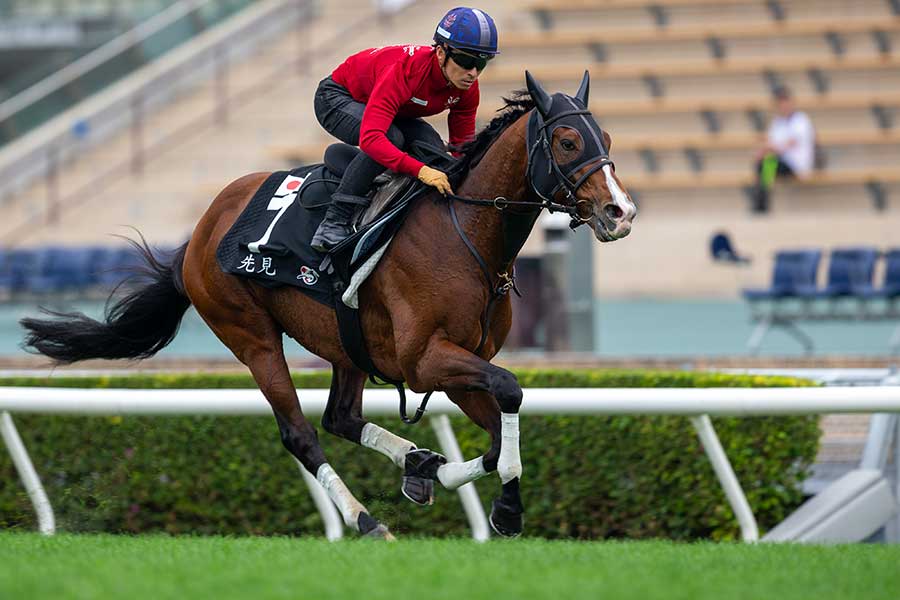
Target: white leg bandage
point(509, 466)
point(349, 506)
point(382, 440)
point(452, 475)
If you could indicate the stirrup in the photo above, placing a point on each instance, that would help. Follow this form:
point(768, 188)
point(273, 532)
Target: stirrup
point(331, 232)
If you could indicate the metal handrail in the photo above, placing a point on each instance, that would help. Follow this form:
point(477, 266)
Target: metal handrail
point(128, 103)
point(39, 154)
point(90, 61)
point(26, 8)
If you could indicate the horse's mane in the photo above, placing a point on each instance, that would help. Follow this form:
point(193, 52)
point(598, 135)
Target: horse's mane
point(519, 103)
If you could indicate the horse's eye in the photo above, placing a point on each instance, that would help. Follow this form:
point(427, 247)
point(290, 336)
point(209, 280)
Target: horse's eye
point(567, 145)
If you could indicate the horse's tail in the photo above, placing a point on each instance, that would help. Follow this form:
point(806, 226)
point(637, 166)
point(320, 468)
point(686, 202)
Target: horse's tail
point(136, 326)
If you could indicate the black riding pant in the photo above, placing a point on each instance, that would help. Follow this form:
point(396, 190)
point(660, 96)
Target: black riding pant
point(341, 116)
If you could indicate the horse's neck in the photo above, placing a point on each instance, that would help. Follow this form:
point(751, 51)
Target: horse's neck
point(500, 172)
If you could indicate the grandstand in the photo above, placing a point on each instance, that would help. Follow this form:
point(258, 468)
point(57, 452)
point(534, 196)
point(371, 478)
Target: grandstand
point(683, 86)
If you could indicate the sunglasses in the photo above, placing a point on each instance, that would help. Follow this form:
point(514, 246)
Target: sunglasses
point(467, 61)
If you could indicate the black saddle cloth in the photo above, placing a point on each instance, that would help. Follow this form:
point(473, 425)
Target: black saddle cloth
point(269, 242)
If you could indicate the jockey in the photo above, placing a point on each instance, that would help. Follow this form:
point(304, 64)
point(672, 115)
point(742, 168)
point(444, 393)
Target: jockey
point(375, 100)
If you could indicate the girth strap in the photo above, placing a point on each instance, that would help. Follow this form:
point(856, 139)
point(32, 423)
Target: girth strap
point(349, 323)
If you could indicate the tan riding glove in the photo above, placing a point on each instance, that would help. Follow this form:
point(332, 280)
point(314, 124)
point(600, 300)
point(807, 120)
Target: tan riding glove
point(435, 178)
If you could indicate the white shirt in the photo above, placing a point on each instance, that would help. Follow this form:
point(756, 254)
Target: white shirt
point(798, 129)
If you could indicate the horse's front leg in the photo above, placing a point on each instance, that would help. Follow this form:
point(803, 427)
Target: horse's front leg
point(491, 397)
point(343, 417)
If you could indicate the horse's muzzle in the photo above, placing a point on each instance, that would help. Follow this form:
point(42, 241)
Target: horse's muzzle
point(612, 223)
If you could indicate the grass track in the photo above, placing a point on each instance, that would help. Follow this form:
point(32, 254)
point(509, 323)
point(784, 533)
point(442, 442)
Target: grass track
point(105, 566)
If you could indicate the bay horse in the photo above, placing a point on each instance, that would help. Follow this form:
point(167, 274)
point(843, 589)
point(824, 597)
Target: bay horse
point(423, 310)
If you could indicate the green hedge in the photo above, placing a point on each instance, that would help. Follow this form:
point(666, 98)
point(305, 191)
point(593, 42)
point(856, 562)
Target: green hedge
point(585, 477)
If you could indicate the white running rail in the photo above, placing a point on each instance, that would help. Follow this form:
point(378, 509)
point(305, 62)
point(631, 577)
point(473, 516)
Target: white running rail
point(697, 403)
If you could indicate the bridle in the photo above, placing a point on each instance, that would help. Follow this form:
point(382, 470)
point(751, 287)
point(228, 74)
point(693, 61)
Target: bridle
point(545, 176)
point(542, 164)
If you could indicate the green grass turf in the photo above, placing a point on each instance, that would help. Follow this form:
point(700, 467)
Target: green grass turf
point(105, 566)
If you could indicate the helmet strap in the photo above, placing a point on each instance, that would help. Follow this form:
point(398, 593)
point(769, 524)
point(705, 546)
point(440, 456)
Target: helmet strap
point(443, 64)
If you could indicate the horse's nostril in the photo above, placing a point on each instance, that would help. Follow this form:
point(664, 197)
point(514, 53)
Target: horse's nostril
point(613, 212)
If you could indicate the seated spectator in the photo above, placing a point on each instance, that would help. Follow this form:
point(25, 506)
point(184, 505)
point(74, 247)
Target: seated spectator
point(789, 150)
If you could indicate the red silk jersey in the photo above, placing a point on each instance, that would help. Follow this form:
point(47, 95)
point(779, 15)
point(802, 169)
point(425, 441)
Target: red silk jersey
point(404, 81)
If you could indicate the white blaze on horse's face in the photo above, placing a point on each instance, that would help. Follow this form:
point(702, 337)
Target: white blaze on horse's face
point(619, 221)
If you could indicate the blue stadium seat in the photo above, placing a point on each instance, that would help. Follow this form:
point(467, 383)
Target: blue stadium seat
point(18, 269)
point(57, 269)
point(40, 277)
point(95, 262)
point(76, 265)
point(5, 278)
point(117, 265)
point(891, 286)
point(793, 269)
point(850, 269)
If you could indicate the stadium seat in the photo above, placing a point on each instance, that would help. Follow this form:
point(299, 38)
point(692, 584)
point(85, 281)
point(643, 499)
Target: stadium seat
point(890, 288)
point(20, 263)
point(793, 269)
point(849, 270)
point(97, 256)
point(4, 270)
point(58, 269)
point(38, 275)
point(116, 265)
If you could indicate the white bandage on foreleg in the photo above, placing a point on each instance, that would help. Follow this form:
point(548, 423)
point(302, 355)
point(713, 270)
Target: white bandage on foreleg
point(452, 475)
point(382, 440)
point(509, 466)
point(349, 506)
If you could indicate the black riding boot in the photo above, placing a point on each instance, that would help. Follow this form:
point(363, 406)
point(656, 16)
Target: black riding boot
point(335, 227)
point(355, 183)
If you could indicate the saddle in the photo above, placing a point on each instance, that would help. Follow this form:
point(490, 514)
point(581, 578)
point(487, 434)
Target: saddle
point(375, 225)
point(269, 242)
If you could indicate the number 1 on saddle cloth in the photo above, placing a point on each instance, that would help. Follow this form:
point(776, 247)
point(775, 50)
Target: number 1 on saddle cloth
point(283, 197)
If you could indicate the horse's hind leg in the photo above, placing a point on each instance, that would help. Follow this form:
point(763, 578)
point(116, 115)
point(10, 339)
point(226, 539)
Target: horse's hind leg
point(255, 339)
point(299, 437)
point(343, 417)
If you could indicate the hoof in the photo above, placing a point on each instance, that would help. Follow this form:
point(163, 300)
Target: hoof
point(418, 490)
point(419, 474)
point(371, 528)
point(504, 521)
point(381, 533)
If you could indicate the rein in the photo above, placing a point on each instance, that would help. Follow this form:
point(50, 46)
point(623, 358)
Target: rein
point(501, 202)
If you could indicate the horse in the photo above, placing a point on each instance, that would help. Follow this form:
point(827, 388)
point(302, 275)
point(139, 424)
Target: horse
point(427, 316)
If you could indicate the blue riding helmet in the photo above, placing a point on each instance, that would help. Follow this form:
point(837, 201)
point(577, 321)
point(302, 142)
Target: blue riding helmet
point(469, 29)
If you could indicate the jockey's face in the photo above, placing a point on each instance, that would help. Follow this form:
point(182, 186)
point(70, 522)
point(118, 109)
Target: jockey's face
point(458, 76)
